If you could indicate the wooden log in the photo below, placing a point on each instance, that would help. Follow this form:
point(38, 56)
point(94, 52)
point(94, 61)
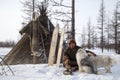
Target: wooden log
point(60, 47)
point(53, 46)
point(34, 44)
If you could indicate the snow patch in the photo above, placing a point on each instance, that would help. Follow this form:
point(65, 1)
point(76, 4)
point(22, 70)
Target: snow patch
point(44, 72)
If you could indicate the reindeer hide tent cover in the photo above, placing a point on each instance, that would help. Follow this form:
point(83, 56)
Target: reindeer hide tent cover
point(21, 53)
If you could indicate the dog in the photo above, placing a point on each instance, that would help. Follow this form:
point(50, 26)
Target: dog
point(84, 63)
point(102, 61)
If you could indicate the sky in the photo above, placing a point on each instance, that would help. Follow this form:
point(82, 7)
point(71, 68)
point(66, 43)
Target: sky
point(10, 19)
point(11, 16)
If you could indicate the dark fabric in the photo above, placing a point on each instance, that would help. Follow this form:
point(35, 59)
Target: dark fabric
point(66, 64)
point(70, 66)
point(73, 63)
point(71, 53)
point(69, 58)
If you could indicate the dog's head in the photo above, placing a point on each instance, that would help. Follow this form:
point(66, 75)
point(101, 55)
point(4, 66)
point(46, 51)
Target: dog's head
point(82, 51)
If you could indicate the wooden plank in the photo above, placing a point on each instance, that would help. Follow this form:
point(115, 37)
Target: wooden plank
point(53, 46)
point(60, 47)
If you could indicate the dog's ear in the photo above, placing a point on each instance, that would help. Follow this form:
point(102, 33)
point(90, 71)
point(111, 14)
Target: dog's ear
point(79, 49)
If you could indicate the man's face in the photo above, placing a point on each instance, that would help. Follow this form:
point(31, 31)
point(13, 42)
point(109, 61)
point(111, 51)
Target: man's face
point(72, 45)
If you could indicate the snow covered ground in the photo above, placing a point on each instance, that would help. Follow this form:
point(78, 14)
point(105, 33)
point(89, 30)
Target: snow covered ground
point(4, 51)
point(43, 72)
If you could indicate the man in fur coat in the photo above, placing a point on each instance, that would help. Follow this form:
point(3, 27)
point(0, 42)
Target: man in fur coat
point(69, 58)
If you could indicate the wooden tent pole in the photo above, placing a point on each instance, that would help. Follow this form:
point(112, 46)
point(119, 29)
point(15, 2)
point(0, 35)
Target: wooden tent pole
point(34, 45)
point(44, 49)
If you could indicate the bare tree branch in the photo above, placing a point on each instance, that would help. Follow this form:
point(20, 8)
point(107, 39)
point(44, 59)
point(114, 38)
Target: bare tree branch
point(63, 20)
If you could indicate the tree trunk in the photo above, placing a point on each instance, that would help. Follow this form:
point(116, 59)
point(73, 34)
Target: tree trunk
point(73, 19)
